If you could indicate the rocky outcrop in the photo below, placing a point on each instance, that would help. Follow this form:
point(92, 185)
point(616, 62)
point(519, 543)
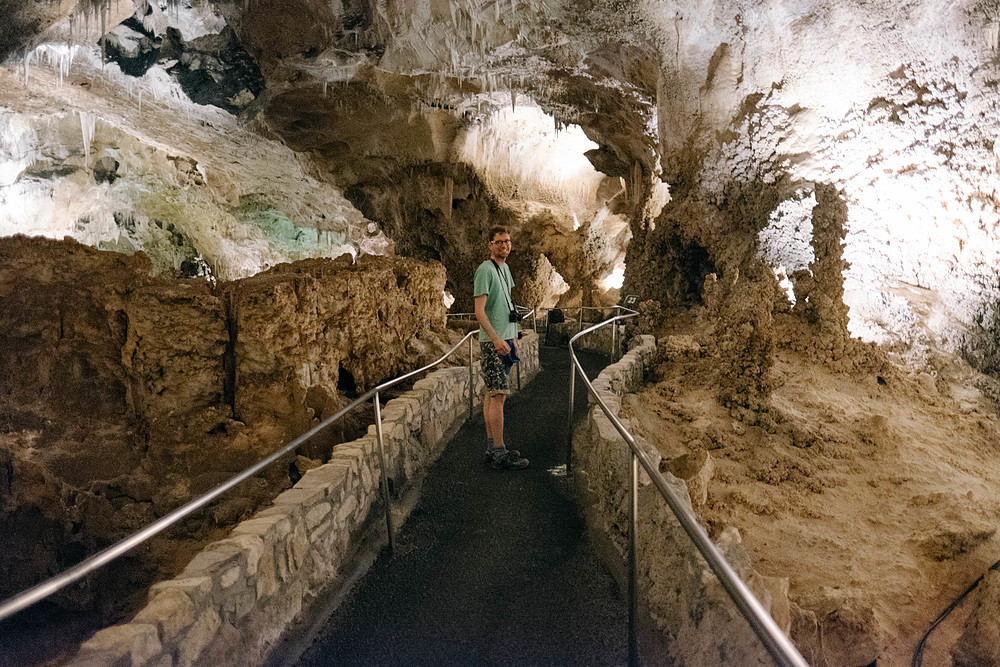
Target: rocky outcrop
point(125, 395)
point(302, 330)
point(819, 292)
point(744, 332)
point(65, 417)
point(168, 321)
point(685, 600)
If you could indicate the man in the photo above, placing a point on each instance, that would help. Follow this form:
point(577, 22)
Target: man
point(491, 291)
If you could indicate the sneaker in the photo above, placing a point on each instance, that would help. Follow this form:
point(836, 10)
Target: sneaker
point(488, 456)
point(510, 460)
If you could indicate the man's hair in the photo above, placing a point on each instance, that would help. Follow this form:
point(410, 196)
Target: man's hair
point(495, 231)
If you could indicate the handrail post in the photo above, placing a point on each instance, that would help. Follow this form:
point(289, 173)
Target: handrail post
point(471, 389)
point(614, 336)
point(614, 342)
point(569, 420)
point(518, 364)
point(581, 319)
point(633, 567)
point(385, 476)
point(615, 339)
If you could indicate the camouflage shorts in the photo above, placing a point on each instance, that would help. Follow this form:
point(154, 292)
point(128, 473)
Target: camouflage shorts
point(492, 367)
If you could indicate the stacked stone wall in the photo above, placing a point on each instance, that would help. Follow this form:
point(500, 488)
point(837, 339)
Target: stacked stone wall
point(234, 599)
point(685, 600)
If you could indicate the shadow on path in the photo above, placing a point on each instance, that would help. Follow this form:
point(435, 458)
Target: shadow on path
point(492, 567)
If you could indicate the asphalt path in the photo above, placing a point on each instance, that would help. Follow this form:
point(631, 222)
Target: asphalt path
point(493, 567)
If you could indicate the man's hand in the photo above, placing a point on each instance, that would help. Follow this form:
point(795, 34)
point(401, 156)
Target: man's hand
point(501, 345)
point(484, 322)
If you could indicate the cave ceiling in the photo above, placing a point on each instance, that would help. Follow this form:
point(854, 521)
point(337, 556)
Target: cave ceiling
point(239, 135)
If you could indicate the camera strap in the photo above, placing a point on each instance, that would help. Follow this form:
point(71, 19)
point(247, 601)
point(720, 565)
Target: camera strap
point(504, 281)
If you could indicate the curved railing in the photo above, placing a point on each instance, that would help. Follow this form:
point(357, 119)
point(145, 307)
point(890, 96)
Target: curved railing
point(46, 588)
point(524, 311)
point(781, 649)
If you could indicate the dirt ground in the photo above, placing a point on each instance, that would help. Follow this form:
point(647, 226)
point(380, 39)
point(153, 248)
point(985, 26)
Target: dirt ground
point(874, 494)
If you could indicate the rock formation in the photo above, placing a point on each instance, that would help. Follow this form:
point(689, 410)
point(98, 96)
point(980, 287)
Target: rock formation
point(126, 395)
point(729, 155)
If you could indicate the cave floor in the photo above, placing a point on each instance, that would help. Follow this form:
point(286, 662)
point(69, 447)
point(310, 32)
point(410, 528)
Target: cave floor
point(492, 567)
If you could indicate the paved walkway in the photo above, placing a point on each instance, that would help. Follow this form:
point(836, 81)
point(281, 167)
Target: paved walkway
point(492, 567)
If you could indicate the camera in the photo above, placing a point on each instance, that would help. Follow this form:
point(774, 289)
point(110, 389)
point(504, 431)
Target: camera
point(515, 316)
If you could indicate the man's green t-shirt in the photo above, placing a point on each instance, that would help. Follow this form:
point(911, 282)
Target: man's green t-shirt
point(498, 302)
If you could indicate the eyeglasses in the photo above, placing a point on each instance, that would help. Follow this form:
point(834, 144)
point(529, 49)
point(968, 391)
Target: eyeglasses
point(505, 242)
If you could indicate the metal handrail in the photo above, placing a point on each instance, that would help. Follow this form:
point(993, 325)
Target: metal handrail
point(521, 309)
point(778, 645)
point(46, 588)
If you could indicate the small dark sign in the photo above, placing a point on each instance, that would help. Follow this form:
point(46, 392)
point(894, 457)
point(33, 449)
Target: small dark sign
point(629, 301)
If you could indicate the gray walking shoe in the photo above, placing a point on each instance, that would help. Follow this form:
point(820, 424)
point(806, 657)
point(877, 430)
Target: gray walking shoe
point(509, 460)
point(488, 455)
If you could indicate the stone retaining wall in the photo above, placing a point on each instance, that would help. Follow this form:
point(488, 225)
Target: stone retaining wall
point(234, 599)
point(699, 623)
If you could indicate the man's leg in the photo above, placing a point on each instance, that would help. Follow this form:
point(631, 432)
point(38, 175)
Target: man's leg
point(486, 419)
point(494, 384)
point(493, 414)
point(494, 396)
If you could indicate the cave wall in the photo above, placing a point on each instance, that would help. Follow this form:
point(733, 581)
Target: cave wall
point(718, 101)
point(65, 398)
point(443, 212)
point(299, 326)
point(124, 395)
point(131, 163)
point(901, 118)
point(361, 94)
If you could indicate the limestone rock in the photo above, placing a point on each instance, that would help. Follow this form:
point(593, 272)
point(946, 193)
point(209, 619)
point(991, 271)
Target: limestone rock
point(696, 469)
point(978, 646)
point(125, 395)
point(175, 347)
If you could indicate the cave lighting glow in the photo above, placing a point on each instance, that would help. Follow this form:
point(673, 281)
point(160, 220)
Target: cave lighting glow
point(521, 154)
point(784, 282)
point(615, 279)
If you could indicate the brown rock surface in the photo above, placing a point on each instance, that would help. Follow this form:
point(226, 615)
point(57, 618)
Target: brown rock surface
point(123, 396)
point(63, 392)
point(62, 327)
point(978, 645)
point(871, 495)
point(174, 353)
point(300, 326)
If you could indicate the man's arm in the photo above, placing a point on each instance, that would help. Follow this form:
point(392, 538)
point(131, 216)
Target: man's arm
point(499, 343)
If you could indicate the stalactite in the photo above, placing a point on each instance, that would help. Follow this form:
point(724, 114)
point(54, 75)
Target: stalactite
point(104, 32)
point(88, 124)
